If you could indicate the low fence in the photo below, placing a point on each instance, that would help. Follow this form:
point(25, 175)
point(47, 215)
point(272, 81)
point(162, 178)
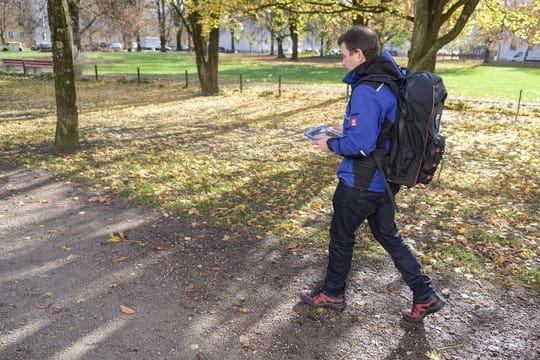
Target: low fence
point(278, 84)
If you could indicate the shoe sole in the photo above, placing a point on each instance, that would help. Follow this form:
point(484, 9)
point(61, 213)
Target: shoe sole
point(433, 309)
point(340, 306)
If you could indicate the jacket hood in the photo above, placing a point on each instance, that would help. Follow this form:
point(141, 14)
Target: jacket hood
point(377, 65)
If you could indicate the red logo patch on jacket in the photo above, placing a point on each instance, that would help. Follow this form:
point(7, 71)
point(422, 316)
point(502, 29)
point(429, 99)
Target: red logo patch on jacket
point(354, 122)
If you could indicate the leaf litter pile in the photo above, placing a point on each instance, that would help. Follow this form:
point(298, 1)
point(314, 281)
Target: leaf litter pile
point(240, 160)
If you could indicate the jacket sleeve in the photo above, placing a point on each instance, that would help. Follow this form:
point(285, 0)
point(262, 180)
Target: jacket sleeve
point(362, 127)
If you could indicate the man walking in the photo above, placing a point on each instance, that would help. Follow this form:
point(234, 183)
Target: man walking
point(361, 192)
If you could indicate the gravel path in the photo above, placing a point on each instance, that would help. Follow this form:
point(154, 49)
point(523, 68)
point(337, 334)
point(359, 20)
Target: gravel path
point(84, 278)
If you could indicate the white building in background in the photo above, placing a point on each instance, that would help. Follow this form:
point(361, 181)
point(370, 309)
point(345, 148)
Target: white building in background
point(255, 39)
point(42, 34)
point(517, 50)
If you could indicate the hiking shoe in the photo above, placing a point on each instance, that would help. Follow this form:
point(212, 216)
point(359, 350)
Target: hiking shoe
point(317, 297)
point(420, 310)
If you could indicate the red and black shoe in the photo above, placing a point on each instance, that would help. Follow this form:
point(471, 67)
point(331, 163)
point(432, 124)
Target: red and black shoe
point(419, 311)
point(318, 298)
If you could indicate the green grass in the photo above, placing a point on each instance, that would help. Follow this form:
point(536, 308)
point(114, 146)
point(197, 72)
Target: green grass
point(491, 82)
point(463, 79)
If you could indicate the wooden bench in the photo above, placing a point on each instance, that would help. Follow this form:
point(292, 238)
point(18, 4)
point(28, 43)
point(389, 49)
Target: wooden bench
point(25, 64)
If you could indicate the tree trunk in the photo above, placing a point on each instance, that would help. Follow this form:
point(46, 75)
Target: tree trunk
point(179, 39)
point(280, 53)
point(293, 28)
point(487, 55)
point(206, 55)
point(232, 42)
point(67, 122)
point(162, 21)
point(272, 39)
point(427, 38)
point(75, 13)
point(358, 16)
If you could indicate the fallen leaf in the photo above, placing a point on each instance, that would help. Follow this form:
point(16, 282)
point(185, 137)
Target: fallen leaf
point(115, 237)
point(293, 248)
point(49, 308)
point(125, 310)
point(193, 346)
point(120, 259)
point(244, 340)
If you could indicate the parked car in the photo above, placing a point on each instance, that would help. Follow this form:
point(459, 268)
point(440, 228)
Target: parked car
point(165, 48)
point(335, 52)
point(114, 47)
point(42, 47)
point(11, 46)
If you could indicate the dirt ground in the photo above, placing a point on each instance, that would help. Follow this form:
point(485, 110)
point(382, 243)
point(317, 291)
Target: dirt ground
point(197, 292)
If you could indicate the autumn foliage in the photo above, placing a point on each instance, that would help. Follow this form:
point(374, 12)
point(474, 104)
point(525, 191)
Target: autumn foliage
point(241, 161)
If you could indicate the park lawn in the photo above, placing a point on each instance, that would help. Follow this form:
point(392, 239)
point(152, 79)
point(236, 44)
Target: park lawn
point(464, 80)
point(240, 161)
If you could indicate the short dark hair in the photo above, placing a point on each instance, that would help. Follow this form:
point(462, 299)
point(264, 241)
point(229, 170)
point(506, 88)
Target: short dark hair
point(361, 37)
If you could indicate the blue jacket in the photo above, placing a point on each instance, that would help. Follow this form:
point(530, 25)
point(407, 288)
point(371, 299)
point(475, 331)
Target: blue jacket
point(370, 105)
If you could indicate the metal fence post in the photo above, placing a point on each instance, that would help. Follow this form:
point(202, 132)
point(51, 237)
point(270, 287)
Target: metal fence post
point(240, 83)
point(519, 104)
point(138, 75)
point(279, 86)
point(96, 72)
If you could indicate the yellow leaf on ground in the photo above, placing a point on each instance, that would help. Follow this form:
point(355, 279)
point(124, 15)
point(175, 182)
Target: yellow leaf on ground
point(115, 237)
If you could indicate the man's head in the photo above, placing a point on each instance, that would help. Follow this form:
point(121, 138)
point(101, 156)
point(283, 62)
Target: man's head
point(357, 45)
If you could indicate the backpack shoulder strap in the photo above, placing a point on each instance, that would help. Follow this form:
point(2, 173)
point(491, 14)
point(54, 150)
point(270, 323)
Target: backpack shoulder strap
point(386, 132)
point(384, 79)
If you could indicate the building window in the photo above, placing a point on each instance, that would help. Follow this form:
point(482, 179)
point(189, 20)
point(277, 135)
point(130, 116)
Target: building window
point(44, 36)
point(10, 35)
point(21, 35)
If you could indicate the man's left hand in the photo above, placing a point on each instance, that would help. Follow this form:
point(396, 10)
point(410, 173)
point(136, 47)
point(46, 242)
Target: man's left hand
point(321, 143)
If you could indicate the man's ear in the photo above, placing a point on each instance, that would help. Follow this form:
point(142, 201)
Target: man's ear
point(361, 55)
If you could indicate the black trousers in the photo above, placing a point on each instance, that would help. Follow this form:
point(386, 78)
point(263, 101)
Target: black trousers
point(351, 208)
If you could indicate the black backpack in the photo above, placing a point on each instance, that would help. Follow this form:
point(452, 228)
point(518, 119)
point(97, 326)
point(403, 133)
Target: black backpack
point(417, 146)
